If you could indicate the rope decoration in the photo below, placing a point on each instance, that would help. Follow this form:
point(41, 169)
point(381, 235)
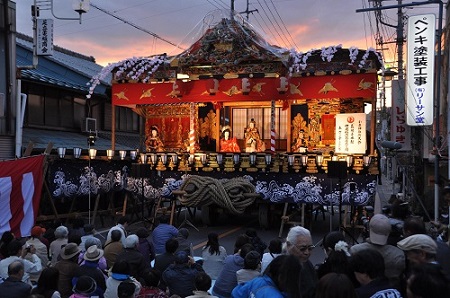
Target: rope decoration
point(234, 194)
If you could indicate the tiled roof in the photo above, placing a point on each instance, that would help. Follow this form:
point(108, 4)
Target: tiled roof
point(41, 138)
point(76, 62)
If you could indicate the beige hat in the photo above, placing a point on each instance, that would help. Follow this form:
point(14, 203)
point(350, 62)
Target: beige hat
point(379, 227)
point(93, 253)
point(419, 242)
point(69, 251)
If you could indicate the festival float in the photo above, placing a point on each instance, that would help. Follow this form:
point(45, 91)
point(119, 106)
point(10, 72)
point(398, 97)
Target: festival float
point(234, 123)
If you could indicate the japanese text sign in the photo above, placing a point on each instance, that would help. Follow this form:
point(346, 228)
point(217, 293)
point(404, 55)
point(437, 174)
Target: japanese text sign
point(420, 69)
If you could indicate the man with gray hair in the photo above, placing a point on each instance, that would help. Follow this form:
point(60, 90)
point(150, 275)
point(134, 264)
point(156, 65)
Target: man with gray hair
point(131, 255)
point(13, 286)
point(299, 244)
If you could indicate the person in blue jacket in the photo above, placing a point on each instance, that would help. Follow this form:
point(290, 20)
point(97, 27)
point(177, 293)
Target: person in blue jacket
point(279, 280)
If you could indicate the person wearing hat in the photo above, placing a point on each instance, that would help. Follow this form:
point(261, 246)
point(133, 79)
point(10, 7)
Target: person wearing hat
point(85, 286)
point(41, 250)
point(253, 142)
point(89, 232)
point(419, 249)
point(394, 258)
point(90, 268)
point(180, 277)
point(133, 257)
point(67, 266)
point(61, 234)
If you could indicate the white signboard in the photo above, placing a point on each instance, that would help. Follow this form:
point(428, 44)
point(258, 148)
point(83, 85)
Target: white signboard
point(400, 131)
point(420, 69)
point(351, 133)
point(44, 37)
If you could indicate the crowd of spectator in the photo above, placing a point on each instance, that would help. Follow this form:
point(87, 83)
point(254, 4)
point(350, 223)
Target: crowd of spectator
point(75, 262)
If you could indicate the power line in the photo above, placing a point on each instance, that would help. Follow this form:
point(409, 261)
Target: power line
point(135, 26)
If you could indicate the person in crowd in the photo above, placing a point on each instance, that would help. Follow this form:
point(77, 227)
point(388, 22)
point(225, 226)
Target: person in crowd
point(259, 245)
point(150, 285)
point(120, 272)
point(183, 243)
point(227, 143)
point(253, 142)
point(335, 285)
point(279, 280)
point(252, 267)
point(299, 244)
point(337, 254)
point(415, 225)
point(368, 267)
point(133, 257)
point(398, 213)
point(180, 277)
point(61, 235)
point(163, 232)
point(76, 229)
point(419, 249)
point(202, 285)
point(227, 279)
point(275, 249)
point(394, 258)
point(7, 237)
point(213, 255)
point(163, 261)
point(47, 285)
point(67, 267)
point(126, 290)
point(91, 241)
point(145, 246)
point(89, 232)
point(41, 248)
point(240, 241)
point(153, 142)
point(122, 225)
point(427, 281)
point(84, 287)
point(13, 286)
point(90, 268)
point(32, 265)
point(113, 248)
point(50, 231)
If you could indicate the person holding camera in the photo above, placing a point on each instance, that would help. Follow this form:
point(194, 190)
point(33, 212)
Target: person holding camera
point(17, 252)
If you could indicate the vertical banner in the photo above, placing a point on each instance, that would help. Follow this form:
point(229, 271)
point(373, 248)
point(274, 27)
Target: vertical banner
point(420, 69)
point(20, 193)
point(44, 37)
point(400, 131)
point(351, 133)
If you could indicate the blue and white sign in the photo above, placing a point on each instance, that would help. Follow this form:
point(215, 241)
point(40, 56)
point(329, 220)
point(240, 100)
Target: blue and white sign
point(420, 69)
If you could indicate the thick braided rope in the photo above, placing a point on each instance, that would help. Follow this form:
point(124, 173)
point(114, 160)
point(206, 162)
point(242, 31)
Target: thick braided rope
point(227, 194)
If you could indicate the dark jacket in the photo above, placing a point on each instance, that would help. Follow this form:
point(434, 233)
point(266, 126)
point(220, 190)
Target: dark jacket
point(137, 262)
point(180, 278)
point(67, 271)
point(147, 250)
point(227, 279)
point(14, 288)
point(377, 285)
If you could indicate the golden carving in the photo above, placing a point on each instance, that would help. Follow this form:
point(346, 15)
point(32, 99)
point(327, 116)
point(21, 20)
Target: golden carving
point(327, 87)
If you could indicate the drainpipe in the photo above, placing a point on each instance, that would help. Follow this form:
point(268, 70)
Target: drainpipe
point(21, 100)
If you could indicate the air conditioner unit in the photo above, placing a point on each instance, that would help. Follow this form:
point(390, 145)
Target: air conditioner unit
point(90, 125)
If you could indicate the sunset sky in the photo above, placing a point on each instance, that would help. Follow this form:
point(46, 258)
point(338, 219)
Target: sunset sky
point(299, 24)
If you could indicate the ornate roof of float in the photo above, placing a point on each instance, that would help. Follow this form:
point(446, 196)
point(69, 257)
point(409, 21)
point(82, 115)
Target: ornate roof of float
point(227, 46)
